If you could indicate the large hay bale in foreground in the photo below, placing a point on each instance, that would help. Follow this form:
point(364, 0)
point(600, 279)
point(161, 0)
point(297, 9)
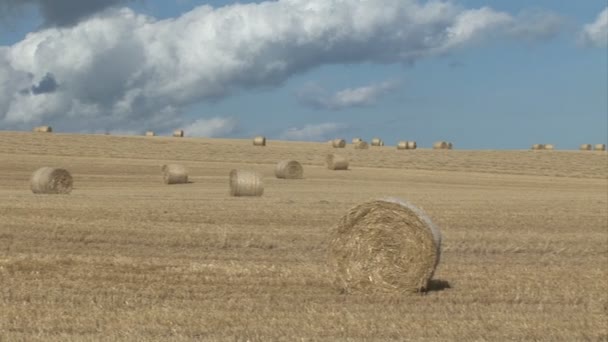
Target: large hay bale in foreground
point(336, 162)
point(49, 180)
point(538, 147)
point(178, 133)
point(150, 134)
point(361, 145)
point(384, 246)
point(259, 141)
point(377, 142)
point(174, 174)
point(246, 183)
point(289, 169)
point(441, 145)
point(586, 147)
point(338, 143)
point(43, 129)
point(356, 140)
point(600, 147)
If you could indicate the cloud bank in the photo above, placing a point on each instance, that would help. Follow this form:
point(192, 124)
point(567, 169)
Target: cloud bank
point(120, 69)
point(595, 34)
point(313, 95)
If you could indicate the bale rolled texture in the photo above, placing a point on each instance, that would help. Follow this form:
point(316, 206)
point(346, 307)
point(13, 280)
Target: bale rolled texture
point(259, 141)
point(586, 147)
point(600, 147)
point(178, 133)
point(149, 133)
point(356, 140)
point(411, 145)
point(289, 169)
point(377, 142)
point(43, 129)
point(548, 147)
point(441, 145)
point(402, 145)
point(538, 147)
point(385, 245)
point(174, 174)
point(48, 180)
point(336, 162)
point(246, 183)
point(338, 143)
point(361, 145)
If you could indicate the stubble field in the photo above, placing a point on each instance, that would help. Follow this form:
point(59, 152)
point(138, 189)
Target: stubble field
point(125, 257)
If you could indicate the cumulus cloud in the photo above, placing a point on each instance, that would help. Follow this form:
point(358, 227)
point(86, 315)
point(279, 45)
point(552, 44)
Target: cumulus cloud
point(315, 96)
point(214, 127)
point(121, 69)
point(314, 132)
point(595, 34)
point(537, 25)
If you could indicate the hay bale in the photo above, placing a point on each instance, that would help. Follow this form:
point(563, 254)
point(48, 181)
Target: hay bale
point(586, 147)
point(402, 145)
point(43, 129)
point(377, 142)
point(441, 145)
point(411, 145)
point(600, 147)
point(386, 246)
point(178, 133)
point(450, 145)
point(259, 141)
point(150, 134)
point(246, 183)
point(361, 145)
point(174, 174)
point(289, 169)
point(338, 143)
point(549, 147)
point(49, 180)
point(356, 140)
point(336, 162)
point(538, 147)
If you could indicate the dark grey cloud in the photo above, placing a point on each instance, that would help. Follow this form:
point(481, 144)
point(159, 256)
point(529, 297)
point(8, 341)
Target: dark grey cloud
point(48, 84)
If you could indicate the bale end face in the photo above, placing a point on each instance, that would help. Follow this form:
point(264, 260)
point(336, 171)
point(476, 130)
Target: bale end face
point(385, 246)
point(48, 180)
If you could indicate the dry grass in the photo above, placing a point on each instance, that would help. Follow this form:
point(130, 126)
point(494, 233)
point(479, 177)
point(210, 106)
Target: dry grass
point(124, 257)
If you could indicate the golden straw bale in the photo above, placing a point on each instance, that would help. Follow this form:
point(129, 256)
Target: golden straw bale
point(377, 142)
point(402, 145)
point(174, 174)
point(246, 183)
point(338, 143)
point(450, 145)
point(361, 145)
point(441, 145)
point(178, 133)
point(49, 180)
point(538, 147)
point(259, 141)
point(387, 245)
point(600, 147)
point(43, 129)
point(150, 134)
point(336, 162)
point(549, 147)
point(356, 140)
point(586, 147)
point(411, 145)
point(289, 169)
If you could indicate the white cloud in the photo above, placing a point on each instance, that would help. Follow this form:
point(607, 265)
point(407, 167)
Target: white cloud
point(316, 132)
point(214, 127)
point(537, 25)
point(317, 97)
point(120, 69)
point(595, 34)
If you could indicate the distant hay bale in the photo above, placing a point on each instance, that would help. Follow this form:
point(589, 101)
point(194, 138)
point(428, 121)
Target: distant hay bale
point(402, 145)
point(338, 143)
point(336, 162)
point(178, 133)
point(386, 246)
point(289, 169)
point(361, 145)
point(586, 147)
point(538, 147)
point(259, 141)
point(450, 145)
point(441, 145)
point(149, 133)
point(48, 180)
point(549, 147)
point(43, 129)
point(411, 145)
point(174, 174)
point(600, 147)
point(356, 140)
point(377, 142)
point(246, 183)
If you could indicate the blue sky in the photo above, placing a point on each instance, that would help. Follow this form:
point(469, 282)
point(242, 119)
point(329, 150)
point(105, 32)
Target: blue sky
point(526, 77)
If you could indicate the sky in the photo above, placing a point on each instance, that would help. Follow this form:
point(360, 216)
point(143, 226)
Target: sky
point(481, 74)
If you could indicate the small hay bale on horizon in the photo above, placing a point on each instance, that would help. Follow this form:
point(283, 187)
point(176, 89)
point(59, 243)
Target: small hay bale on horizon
point(441, 145)
point(50, 180)
point(338, 143)
point(600, 147)
point(289, 169)
point(149, 133)
point(538, 147)
point(174, 174)
point(356, 140)
point(43, 129)
point(411, 145)
point(361, 145)
point(586, 147)
point(259, 140)
point(384, 246)
point(336, 162)
point(246, 183)
point(377, 142)
point(548, 147)
point(178, 133)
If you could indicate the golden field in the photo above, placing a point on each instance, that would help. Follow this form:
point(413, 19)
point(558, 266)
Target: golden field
point(126, 257)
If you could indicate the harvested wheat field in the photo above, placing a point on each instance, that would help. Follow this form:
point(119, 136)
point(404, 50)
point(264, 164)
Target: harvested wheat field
point(125, 257)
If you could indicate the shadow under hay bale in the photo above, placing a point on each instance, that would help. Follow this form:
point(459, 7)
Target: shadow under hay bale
point(259, 141)
point(338, 143)
point(246, 183)
point(48, 180)
point(387, 246)
point(289, 169)
point(336, 162)
point(174, 174)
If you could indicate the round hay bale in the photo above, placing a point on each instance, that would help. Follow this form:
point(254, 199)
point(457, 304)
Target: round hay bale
point(361, 145)
point(549, 147)
point(150, 134)
point(259, 141)
point(600, 147)
point(402, 145)
point(411, 145)
point(336, 162)
point(246, 183)
point(450, 146)
point(538, 147)
point(377, 142)
point(43, 129)
point(586, 147)
point(178, 133)
point(384, 246)
point(174, 174)
point(356, 140)
point(338, 143)
point(289, 169)
point(49, 180)
point(441, 145)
